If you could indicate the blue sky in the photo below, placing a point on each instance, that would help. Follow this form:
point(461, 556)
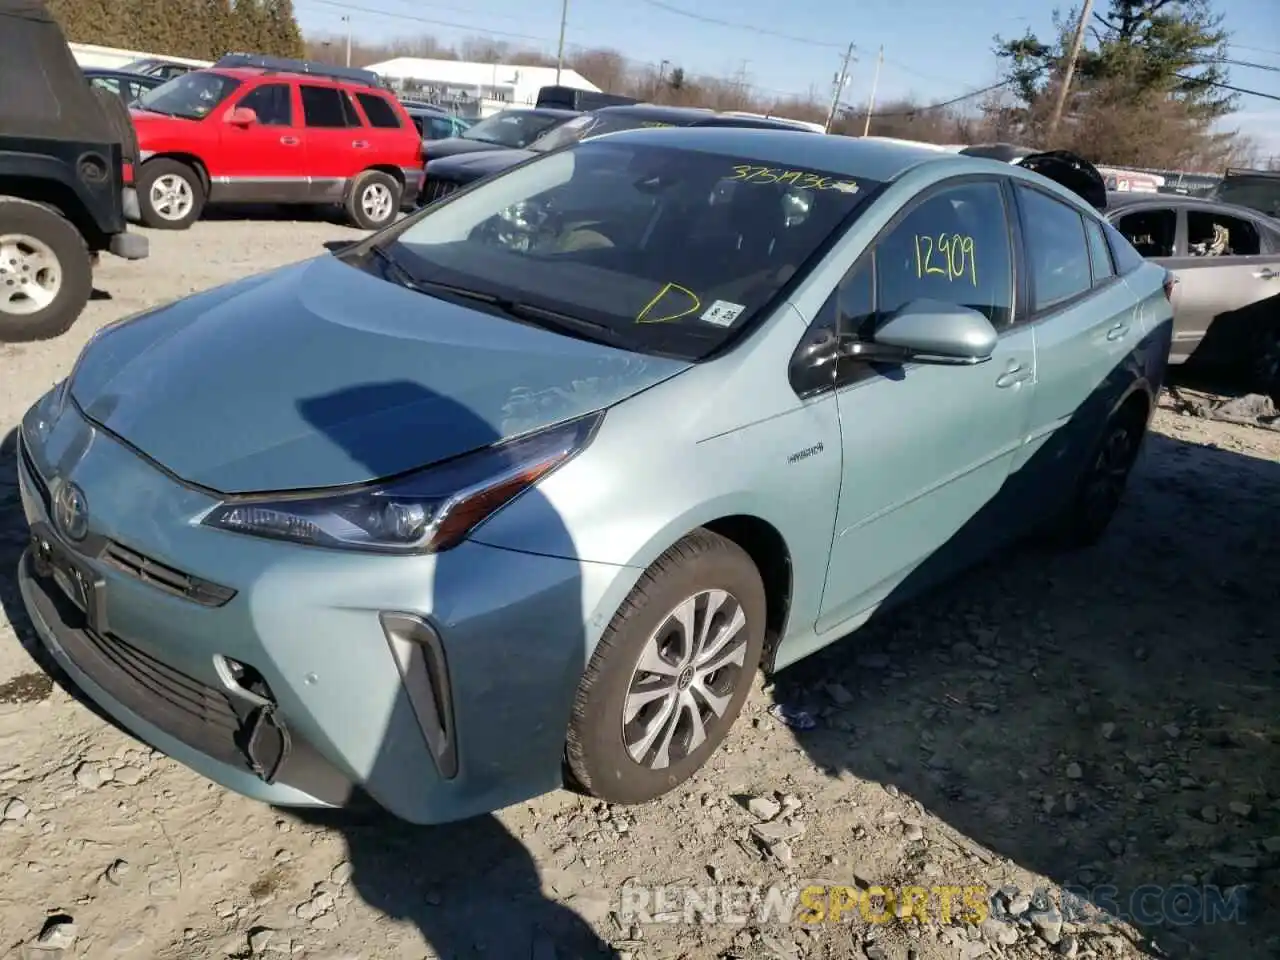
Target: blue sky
point(934, 50)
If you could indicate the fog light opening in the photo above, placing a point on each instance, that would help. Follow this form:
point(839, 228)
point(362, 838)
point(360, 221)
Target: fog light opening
point(420, 659)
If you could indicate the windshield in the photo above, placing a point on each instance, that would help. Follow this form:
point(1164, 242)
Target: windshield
point(191, 95)
point(661, 250)
point(592, 125)
point(1257, 193)
point(511, 128)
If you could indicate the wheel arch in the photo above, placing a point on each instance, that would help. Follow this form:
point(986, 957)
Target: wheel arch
point(189, 159)
point(61, 198)
point(763, 542)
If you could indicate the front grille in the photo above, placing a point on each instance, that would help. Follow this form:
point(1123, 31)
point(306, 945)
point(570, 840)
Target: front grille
point(164, 577)
point(433, 190)
point(132, 563)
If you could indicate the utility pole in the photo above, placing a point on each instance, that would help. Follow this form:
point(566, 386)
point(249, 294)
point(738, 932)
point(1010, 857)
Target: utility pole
point(841, 80)
point(564, 16)
point(347, 20)
point(1068, 71)
point(875, 82)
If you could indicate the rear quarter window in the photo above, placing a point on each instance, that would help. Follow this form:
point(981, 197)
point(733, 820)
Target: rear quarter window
point(1126, 258)
point(379, 111)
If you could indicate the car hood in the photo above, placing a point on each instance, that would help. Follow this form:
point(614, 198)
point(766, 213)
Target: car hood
point(456, 146)
point(320, 374)
point(474, 165)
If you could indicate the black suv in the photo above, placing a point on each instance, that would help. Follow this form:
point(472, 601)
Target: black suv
point(1257, 189)
point(447, 174)
point(62, 150)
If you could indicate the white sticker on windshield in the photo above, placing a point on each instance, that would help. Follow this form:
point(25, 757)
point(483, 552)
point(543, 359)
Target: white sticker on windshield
point(722, 313)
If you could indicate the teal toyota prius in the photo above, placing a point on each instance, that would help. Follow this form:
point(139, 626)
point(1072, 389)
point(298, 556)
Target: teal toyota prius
point(522, 490)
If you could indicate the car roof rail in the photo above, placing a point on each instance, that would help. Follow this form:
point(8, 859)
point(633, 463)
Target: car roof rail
point(270, 64)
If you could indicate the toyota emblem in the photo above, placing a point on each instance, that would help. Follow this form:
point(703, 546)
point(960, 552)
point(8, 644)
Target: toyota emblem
point(71, 511)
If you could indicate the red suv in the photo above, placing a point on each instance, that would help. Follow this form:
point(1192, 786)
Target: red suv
point(254, 135)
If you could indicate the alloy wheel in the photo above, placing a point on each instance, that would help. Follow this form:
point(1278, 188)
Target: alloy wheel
point(685, 679)
point(30, 274)
point(171, 196)
point(1106, 481)
point(376, 202)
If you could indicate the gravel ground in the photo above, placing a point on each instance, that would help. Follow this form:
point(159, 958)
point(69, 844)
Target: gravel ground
point(1104, 721)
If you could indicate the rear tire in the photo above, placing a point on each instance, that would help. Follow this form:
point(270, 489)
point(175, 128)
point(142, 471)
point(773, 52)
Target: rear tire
point(670, 674)
point(46, 274)
point(373, 201)
point(1101, 486)
point(171, 194)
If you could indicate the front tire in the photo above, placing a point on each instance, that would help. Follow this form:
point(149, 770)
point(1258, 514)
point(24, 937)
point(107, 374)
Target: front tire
point(46, 274)
point(374, 200)
point(1102, 485)
point(171, 194)
point(670, 674)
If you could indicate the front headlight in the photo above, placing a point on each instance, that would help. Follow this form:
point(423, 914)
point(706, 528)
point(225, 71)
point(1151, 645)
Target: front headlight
point(427, 511)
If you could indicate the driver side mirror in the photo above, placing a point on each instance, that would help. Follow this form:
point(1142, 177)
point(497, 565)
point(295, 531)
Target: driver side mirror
point(242, 117)
point(929, 331)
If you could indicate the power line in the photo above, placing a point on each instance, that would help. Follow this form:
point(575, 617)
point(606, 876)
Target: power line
point(761, 31)
point(343, 5)
point(935, 106)
point(1227, 86)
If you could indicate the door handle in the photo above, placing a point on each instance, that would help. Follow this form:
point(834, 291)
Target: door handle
point(359, 144)
point(289, 141)
point(1268, 274)
point(1013, 375)
point(1118, 331)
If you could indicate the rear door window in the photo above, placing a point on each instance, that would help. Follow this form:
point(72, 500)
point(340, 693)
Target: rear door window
point(327, 107)
point(1213, 234)
point(1057, 251)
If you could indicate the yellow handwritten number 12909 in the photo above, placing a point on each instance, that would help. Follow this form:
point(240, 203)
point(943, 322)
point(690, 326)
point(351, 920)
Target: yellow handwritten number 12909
point(956, 258)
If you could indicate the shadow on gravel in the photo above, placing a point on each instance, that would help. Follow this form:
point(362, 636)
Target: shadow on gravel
point(1109, 718)
point(470, 887)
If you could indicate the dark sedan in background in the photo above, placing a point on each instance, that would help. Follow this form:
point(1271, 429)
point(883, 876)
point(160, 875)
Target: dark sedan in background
point(125, 85)
point(449, 173)
point(512, 129)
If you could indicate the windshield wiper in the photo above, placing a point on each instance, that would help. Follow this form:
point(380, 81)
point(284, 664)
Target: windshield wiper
point(524, 312)
point(403, 275)
point(528, 313)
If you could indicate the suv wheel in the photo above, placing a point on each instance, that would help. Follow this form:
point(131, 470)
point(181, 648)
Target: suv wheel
point(170, 194)
point(671, 672)
point(374, 200)
point(46, 275)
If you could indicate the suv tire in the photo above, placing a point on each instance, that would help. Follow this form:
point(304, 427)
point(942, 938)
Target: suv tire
point(618, 705)
point(180, 187)
point(40, 246)
point(373, 200)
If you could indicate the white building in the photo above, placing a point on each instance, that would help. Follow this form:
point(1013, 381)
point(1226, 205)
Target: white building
point(474, 89)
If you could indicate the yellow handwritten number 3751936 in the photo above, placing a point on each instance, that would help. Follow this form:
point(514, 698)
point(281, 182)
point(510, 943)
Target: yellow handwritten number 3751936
point(956, 259)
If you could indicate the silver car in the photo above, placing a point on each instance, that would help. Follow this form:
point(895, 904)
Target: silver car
point(1227, 262)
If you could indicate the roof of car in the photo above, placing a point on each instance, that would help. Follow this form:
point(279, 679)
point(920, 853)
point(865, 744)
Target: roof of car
point(540, 112)
point(111, 72)
point(254, 73)
point(849, 156)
